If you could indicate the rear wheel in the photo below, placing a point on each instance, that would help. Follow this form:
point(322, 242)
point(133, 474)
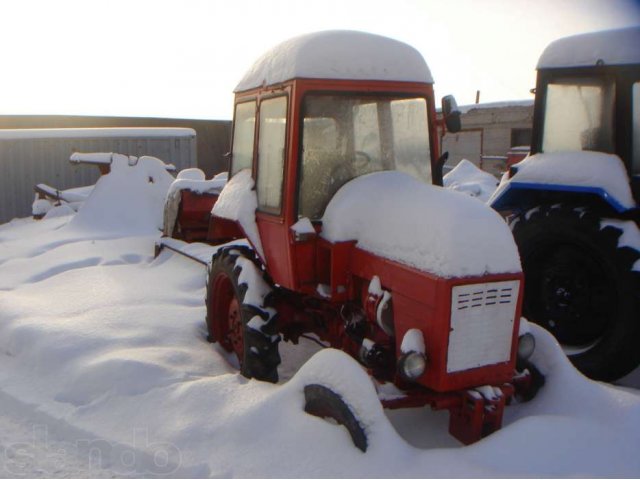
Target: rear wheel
point(247, 330)
point(580, 285)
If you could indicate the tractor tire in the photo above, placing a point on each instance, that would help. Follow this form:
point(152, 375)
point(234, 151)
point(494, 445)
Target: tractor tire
point(580, 286)
point(228, 317)
point(323, 402)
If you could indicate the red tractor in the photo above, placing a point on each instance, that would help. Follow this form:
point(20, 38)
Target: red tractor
point(333, 134)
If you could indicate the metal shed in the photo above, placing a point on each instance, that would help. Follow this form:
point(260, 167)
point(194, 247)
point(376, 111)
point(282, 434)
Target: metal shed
point(31, 156)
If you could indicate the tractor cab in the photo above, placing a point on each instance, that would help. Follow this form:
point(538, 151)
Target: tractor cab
point(587, 100)
point(316, 112)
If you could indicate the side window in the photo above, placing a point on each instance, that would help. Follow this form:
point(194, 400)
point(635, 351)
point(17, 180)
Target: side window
point(411, 137)
point(635, 112)
point(243, 134)
point(271, 152)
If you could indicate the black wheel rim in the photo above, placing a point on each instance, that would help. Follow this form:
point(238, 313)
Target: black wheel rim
point(569, 293)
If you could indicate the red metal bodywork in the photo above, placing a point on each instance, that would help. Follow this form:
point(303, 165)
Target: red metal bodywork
point(288, 265)
point(300, 265)
point(516, 155)
point(194, 215)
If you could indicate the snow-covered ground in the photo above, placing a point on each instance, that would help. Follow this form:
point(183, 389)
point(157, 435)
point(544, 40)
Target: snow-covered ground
point(105, 371)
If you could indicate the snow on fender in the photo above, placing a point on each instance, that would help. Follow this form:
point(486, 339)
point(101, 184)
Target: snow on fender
point(238, 202)
point(601, 173)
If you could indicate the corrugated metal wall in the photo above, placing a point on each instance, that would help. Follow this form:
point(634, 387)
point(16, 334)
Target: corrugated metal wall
point(212, 135)
point(25, 162)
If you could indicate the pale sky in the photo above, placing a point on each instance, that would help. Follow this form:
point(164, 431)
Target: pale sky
point(170, 58)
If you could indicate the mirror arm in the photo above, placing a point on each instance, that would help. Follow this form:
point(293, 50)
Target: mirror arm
point(436, 173)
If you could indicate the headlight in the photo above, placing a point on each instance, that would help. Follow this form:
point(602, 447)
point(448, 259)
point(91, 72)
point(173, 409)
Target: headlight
point(526, 346)
point(412, 365)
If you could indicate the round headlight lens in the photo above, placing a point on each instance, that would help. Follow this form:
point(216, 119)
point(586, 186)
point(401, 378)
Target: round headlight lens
point(412, 365)
point(526, 346)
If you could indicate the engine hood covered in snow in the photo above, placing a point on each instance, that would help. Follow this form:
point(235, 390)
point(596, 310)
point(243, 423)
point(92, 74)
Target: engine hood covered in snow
point(395, 216)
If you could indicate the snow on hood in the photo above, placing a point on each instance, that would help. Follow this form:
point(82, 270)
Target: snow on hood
point(238, 201)
point(579, 169)
point(130, 199)
point(393, 215)
point(469, 179)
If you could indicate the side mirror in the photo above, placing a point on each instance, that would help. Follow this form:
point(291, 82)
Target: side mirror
point(451, 114)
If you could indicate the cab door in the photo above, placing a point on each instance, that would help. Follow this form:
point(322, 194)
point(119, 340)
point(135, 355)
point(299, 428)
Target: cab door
point(270, 167)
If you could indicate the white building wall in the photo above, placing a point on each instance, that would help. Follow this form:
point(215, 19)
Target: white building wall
point(486, 132)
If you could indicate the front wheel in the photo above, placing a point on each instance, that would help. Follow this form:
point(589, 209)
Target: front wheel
point(580, 285)
point(245, 329)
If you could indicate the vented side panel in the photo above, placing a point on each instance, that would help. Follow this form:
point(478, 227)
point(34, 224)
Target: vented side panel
point(482, 321)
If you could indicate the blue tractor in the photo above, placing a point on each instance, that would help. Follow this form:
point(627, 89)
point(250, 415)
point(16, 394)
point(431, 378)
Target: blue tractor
point(574, 203)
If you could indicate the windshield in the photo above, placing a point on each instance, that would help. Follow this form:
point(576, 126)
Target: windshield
point(578, 115)
point(344, 137)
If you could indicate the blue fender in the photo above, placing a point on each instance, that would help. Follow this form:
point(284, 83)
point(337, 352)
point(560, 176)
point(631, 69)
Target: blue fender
point(520, 195)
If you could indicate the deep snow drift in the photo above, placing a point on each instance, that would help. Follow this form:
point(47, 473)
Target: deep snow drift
point(103, 349)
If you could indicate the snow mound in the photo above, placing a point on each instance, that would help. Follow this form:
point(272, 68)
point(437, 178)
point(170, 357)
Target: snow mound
point(577, 169)
point(101, 343)
point(130, 199)
point(562, 407)
point(340, 373)
point(238, 202)
point(469, 179)
point(393, 215)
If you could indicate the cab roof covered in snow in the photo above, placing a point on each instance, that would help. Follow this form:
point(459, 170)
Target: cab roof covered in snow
point(609, 47)
point(338, 54)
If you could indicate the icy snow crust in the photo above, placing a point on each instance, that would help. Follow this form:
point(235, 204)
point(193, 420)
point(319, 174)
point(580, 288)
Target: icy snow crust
point(337, 54)
point(613, 47)
point(446, 233)
point(103, 348)
point(580, 169)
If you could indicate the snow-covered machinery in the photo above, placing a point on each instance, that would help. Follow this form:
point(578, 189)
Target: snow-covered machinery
point(334, 153)
point(573, 205)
